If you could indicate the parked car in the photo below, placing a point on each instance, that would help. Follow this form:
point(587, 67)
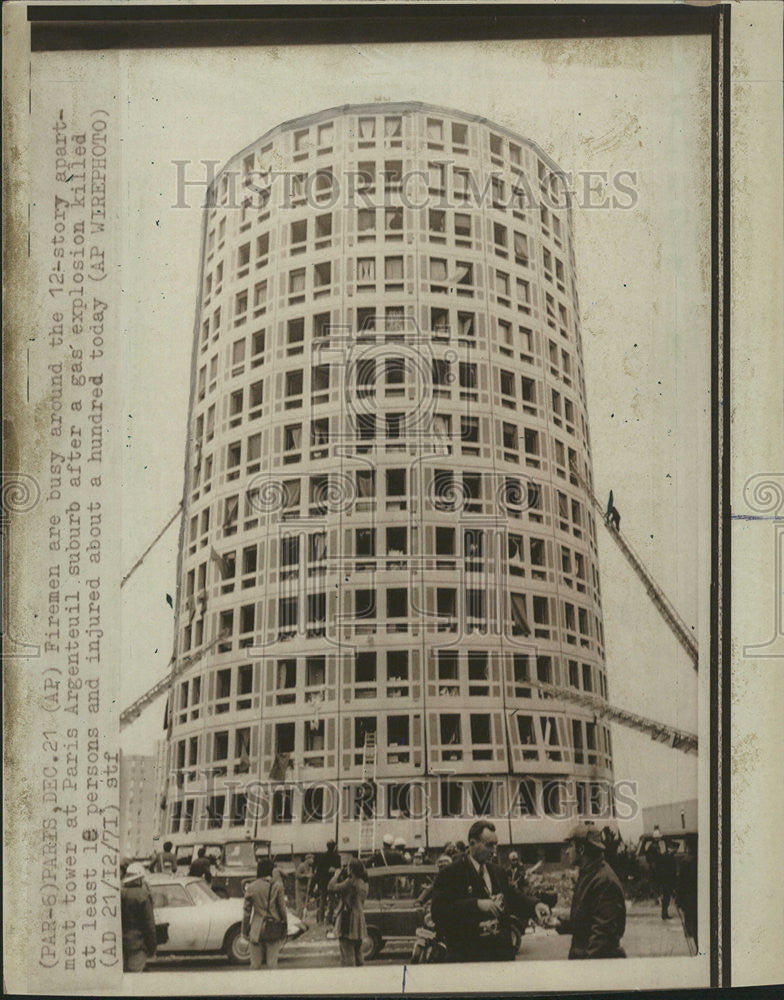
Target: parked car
point(680, 844)
point(190, 918)
point(392, 912)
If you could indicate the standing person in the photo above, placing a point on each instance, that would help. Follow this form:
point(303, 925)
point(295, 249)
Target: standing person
point(201, 867)
point(351, 886)
point(667, 878)
point(598, 916)
point(473, 902)
point(327, 863)
point(264, 906)
point(686, 895)
point(139, 940)
point(611, 840)
point(164, 861)
point(515, 872)
point(654, 855)
point(303, 879)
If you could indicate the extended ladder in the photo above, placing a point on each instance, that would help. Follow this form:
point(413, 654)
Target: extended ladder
point(135, 709)
point(367, 818)
point(654, 591)
point(678, 739)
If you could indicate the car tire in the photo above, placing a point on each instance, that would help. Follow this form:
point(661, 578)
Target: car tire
point(236, 946)
point(517, 937)
point(372, 944)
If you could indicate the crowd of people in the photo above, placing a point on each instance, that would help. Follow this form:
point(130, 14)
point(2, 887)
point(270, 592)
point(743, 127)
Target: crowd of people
point(471, 897)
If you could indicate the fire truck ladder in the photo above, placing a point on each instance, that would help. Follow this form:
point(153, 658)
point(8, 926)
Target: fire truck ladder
point(367, 821)
point(676, 738)
point(663, 605)
point(135, 709)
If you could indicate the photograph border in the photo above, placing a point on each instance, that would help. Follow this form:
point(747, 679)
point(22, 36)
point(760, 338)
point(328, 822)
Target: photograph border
point(59, 27)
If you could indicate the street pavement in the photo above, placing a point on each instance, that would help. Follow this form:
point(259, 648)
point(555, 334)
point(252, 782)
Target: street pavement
point(647, 935)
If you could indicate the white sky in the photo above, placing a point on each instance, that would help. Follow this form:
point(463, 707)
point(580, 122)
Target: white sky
point(643, 280)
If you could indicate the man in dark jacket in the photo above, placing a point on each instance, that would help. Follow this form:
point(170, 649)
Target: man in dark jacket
point(598, 916)
point(138, 920)
point(327, 863)
point(686, 896)
point(667, 879)
point(201, 868)
point(473, 902)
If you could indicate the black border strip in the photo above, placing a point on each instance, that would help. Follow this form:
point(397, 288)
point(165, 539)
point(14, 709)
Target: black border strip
point(720, 701)
point(725, 409)
point(69, 26)
point(62, 27)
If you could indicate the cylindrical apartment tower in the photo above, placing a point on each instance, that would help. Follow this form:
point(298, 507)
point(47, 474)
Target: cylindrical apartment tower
point(388, 552)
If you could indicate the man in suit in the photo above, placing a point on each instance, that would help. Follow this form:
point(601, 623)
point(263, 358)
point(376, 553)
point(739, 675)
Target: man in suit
point(598, 916)
point(473, 902)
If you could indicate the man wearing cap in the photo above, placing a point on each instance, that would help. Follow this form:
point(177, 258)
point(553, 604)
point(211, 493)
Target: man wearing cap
point(473, 903)
point(598, 916)
point(138, 920)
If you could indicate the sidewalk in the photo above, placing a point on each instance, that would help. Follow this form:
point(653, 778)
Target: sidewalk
point(647, 936)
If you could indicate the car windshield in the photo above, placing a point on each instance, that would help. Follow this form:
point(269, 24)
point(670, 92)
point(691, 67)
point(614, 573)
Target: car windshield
point(407, 886)
point(169, 894)
point(201, 893)
point(240, 855)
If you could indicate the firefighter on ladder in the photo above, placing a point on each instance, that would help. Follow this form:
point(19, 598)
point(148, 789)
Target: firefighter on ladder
point(612, 517)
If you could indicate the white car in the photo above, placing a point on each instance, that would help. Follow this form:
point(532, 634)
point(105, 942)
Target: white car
point(198, 921)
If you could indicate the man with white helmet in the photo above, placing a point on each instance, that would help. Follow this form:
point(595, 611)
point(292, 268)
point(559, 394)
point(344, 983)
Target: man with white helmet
point(443, 861)
point(387, 855)
point(515, 871)
point(138, 919)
